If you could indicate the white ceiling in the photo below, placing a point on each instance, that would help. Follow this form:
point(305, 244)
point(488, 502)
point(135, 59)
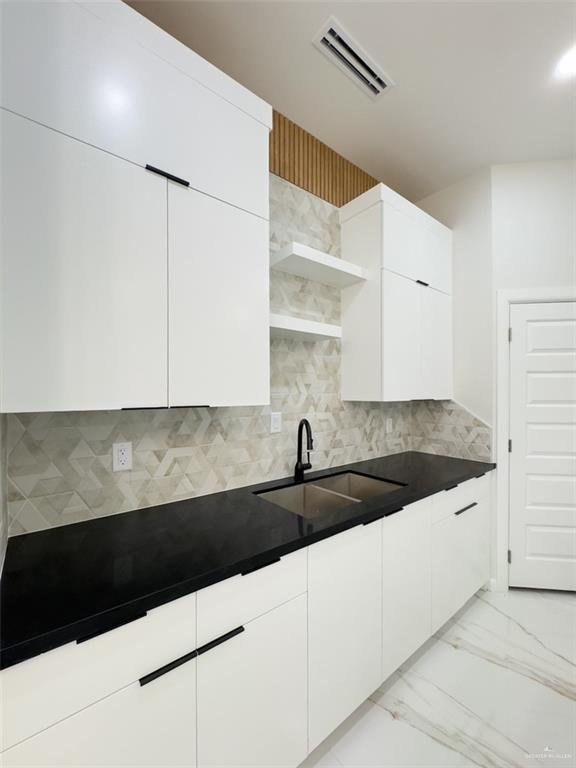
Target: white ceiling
point(474, 81)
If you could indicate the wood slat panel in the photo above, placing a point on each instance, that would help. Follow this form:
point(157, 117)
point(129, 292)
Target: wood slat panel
point(299, 157)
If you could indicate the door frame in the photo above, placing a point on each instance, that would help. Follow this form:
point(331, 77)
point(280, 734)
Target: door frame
point(504, 300)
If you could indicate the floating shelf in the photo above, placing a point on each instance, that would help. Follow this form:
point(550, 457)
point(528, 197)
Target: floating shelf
point(305, 330)
point(301, 260)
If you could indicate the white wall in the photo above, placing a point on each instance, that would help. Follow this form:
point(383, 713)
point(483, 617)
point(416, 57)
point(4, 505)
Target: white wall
point(533, 224)
point(466, 208)
point(514, 227)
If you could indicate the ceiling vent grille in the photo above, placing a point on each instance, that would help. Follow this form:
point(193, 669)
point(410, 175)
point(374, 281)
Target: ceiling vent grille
point(341, 49)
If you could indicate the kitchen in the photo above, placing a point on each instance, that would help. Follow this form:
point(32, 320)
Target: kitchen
point(287, 456)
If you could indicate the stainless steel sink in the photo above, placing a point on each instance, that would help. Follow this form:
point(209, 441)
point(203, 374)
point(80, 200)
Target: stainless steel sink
point(356, 486)
point(327, 494)
point(308, 500)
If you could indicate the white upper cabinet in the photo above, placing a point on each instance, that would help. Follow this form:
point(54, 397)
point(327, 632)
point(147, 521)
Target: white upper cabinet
point(436, 339)
point(122, 289)
point(83, 276)
point(70, 70)
point(406, 239)
point(434, 263)
point(401, 351)
point(397, 325)
point(218, 302)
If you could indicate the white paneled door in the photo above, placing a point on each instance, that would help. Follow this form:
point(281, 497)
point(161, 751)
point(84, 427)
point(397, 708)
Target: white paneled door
point(543, 434)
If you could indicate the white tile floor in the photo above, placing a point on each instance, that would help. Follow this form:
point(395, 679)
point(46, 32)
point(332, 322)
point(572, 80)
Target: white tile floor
point(496, 688)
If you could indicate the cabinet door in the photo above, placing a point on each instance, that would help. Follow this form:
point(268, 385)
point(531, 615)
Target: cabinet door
point(434, 248)
point(400, 242)
point(401, 338)
point(252, 697)
point(406, 583)
point(67, 69)
point(436, 334)
point(344, 625)
point(141, 726)
point(219, 302)
point(84, 276)
point(460, 558)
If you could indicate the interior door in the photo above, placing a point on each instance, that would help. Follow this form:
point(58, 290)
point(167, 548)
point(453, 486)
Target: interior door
point(543, 457)
point(218, 302)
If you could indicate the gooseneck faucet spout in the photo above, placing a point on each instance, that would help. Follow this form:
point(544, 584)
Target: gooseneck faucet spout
point(300, 466)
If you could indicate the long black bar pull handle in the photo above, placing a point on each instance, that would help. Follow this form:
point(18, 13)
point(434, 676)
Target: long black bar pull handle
point(220, 640)
point(149, 678)
point(169, 176)
point(464, 509)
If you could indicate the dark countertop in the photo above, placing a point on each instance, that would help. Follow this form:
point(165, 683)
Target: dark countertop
point(66, 583)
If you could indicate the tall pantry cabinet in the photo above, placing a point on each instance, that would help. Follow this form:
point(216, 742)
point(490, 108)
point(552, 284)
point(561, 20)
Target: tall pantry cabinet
point(135, 217)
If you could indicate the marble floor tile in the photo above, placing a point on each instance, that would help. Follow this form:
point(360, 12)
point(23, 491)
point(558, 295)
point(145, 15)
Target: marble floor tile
point(495, 687)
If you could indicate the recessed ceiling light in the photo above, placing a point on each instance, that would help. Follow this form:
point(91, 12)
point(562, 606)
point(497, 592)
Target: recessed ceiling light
point(566, 67)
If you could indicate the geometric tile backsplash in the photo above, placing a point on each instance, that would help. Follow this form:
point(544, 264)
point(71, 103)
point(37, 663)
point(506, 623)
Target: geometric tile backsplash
point(60, 464)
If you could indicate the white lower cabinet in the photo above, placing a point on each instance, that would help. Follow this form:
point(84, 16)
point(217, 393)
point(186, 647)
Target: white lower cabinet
point(252, 694)
point(139, 726)
point(405, 584)
point(460, 555)
point(344, 625)
point(283, 654)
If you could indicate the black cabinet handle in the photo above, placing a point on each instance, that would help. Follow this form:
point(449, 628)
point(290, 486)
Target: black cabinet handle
point(167, 668)
point(259, 567)
point(169, 176)
point(374, 520)
point(151, 676)
point(421, 282)
point(474, 504)
point(220, 640)
point(115, 624)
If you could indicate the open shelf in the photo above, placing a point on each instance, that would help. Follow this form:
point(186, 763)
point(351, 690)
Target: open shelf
point(301, 260)
point(305, 330)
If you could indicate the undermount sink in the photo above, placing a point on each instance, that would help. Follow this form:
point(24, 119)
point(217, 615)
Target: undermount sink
point(360, 487)
point(315, 498)
point(308, 500)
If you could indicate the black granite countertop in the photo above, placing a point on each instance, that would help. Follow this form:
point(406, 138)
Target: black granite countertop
point(66, 583)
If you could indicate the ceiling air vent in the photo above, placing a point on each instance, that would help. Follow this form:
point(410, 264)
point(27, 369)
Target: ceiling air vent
point(341, 48)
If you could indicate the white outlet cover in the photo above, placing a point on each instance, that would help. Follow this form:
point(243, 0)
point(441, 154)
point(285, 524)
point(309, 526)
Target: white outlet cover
point(121, 457)
point(275, 422)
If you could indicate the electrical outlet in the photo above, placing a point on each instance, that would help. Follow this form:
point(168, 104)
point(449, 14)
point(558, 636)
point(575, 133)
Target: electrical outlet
point(389, 426)
point(121, 457)
point(275, 422)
